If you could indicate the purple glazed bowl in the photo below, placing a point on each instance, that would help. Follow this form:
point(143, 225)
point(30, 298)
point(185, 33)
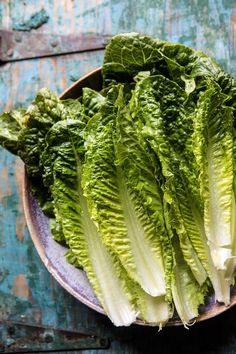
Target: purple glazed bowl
point(52, 253)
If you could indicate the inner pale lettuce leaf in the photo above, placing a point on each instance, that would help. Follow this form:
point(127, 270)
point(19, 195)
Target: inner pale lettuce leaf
point(156, 107)
point(121, 219)
point(213, 148)
point(139, 169)
point(92, 101)
point(153, 310)
point(187, 294)
point(81, 233)
point(121, 298)
point(167, 125)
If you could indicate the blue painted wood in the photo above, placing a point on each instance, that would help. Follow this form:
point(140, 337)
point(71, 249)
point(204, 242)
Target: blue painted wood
point(27, 291)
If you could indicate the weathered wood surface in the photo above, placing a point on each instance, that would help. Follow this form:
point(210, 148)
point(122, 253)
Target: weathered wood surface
point(27, 291)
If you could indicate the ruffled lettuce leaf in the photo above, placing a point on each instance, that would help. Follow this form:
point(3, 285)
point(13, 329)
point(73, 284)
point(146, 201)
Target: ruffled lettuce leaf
point(164, 117)
point(57, 231)
point(157, 108)
point(121, 219)
point(80, 232)
point(73, 108)
point(214, 152)
point(141, 175)
point(45, 110)
point(92, 101)
point(130, 53)
point(10, 126)
point(188, 295)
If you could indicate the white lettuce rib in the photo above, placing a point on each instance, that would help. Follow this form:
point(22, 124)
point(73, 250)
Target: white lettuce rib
point(149, 269)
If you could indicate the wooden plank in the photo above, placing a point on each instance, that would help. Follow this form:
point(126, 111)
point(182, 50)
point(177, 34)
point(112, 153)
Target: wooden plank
point(27, 292)
point(21, 80)
point(65, 16)
point(203, 25)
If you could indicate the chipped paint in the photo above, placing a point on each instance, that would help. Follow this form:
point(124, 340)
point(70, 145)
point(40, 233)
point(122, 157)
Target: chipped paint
point(13, 82)
point(37, 314)
point(3, 275)
point(6, 190)
point(35, 21)
point(20, 287)
point(20, 224)
point(208, 25)
point(6, 19)
point(12, 307)
point(233, 34)
point(20, 227)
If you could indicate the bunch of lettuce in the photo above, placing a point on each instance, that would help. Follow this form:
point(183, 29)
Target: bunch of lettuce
point(138, 180)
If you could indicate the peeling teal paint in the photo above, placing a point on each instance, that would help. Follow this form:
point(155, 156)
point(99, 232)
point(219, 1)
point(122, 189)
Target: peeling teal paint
point(35, 21)
point(202, 24)
point(3, 275)
point(12, 307)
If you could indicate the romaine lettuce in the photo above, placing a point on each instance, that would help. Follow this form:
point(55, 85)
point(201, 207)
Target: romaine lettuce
point(120, 217)
point(139, 180)
point(213, 148)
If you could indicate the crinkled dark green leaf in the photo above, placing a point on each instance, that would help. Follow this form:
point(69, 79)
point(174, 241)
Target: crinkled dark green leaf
point(45, 110)
point(10, 126)
point(131, 53)
point(73, 108)
point(80, 232)
point(122, 220)
point(158, 104)
point(92, 101)
point(54, 139)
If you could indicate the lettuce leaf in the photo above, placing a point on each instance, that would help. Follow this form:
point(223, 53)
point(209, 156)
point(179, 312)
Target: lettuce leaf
point(141, 175)
point(80, 231)
point(166, 124)
point(122, 221)
point(213, 148)
point(130, 53)
point(45, 110)
point(120, 296)
point(10, 126)
point(92, 101)
point(188, 295)
point(157, 107)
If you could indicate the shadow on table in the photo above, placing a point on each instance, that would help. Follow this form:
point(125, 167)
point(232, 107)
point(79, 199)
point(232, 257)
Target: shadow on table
point(213, 336)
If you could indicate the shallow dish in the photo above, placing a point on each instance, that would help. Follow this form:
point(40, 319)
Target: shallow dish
point(52, 253)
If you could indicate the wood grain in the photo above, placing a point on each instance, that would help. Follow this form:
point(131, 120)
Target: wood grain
point(207, 25)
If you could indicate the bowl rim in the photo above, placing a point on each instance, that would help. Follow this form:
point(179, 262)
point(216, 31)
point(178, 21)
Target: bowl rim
point(78, 82)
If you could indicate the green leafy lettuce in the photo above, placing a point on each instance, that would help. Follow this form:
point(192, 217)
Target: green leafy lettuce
point(121, 220)
point(213, 147)
point(139, 179)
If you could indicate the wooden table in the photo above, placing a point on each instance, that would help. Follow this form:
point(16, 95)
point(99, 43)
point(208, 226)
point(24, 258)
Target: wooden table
point(28, 294)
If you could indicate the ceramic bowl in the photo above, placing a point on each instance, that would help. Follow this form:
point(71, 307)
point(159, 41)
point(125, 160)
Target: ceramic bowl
point(52, 253)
